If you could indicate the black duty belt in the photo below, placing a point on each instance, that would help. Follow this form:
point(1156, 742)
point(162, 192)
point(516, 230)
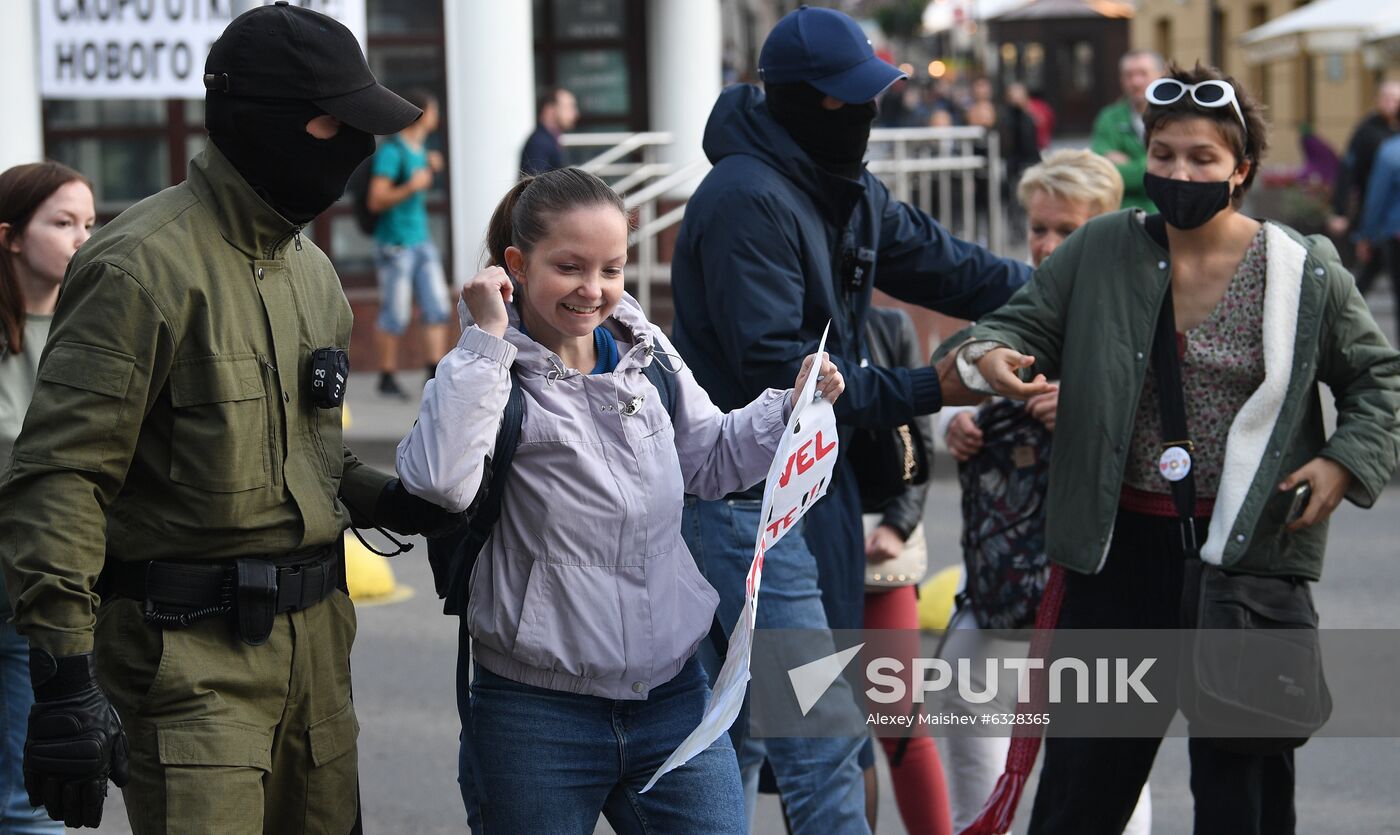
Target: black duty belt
point(254, 590)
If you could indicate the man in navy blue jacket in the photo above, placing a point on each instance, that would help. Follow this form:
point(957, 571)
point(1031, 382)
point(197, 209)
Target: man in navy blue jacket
point(787, 232)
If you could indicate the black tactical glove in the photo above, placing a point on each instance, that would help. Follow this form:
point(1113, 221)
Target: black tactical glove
point(402, 512)
point(75, 740)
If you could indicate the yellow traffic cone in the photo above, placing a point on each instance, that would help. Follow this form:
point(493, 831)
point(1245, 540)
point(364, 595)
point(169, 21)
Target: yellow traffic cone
point(367, 574)
point(936, 599)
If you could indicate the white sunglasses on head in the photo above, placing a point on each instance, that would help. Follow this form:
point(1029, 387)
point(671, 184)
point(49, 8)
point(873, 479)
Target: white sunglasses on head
point(1209, 93)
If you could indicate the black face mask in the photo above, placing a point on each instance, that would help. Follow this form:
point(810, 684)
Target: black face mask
point(266, 140)
point(1184, 204)
point(834, 139)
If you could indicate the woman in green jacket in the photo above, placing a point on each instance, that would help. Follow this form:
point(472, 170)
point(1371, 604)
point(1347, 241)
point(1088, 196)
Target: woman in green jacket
point(1262, 315)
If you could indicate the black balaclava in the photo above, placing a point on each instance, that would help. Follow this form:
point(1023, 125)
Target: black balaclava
point(266, 140)
point(1185, 204)
point(834, 139)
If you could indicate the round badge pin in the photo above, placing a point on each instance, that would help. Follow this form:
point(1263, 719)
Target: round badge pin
point(1175, 463)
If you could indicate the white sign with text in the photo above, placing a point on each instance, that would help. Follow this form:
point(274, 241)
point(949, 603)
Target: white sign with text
point(145, 49)
point(798, 477)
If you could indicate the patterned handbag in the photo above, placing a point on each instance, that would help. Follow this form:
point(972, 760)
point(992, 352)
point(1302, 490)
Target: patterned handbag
point(1003, 509)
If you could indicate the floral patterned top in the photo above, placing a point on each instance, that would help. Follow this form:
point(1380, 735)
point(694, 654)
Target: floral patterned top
point(1222, 365)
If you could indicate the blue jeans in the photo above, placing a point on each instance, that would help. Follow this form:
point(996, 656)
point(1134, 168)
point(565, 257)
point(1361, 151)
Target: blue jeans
point(819, 778)
point(406, 273)
point(17, 817)
point(550, 762)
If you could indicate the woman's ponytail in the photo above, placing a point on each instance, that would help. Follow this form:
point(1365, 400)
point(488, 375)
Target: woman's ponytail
point(500, 232)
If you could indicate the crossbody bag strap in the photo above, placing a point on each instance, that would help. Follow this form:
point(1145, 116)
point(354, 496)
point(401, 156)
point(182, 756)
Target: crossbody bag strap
point(1166, 364)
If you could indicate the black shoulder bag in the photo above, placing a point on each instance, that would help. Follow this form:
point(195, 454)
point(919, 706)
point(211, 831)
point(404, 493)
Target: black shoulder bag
point(1251, 667)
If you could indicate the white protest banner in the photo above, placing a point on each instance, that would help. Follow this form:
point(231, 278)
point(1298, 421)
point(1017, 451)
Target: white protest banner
point(145, 49)
point(798, 477)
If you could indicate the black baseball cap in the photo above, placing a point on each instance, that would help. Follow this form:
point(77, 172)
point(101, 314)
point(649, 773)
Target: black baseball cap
point(828, 50)
point(288, 52)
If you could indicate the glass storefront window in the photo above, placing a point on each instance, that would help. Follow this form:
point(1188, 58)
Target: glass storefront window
point(122, 170)
point(406, 17)
point(1033, 64)
point(1083, 78)
point(589, 20)
point(100, 113)
point(401, 67)
point(599, 78)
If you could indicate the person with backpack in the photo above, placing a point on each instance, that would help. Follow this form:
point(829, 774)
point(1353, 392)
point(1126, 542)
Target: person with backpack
point(407, 260)
point(1003, 454)
point(585, 607)
point(1190, 345)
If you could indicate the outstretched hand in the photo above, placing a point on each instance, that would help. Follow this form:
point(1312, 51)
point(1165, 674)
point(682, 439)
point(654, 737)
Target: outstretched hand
point(999, 368)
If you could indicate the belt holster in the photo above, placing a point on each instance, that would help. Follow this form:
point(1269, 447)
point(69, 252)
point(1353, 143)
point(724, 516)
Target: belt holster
point(256, 581)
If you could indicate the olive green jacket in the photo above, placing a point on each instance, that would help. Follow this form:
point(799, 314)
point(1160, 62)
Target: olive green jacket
point(1088, 317)
point(172, 417)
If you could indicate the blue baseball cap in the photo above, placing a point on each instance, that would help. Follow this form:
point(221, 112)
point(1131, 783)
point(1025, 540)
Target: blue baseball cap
point(828, 50)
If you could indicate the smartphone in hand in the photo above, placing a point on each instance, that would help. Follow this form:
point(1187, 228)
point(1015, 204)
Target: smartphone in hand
point(1299, 506)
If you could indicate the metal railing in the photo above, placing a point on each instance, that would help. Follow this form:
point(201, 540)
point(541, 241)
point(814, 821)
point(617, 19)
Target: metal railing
point(645, 202)
point(935, 169)
point(921, 164)
point(629, 159)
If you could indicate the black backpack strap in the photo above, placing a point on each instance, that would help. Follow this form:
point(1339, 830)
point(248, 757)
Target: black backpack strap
point(453, 555)
point(466, 546)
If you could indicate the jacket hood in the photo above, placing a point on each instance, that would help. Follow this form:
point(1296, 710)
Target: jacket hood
point(740, 124)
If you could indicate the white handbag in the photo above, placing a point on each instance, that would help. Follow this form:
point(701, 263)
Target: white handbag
point(907, 569)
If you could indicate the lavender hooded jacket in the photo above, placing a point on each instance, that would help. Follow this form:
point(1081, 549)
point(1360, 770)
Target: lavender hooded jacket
point(585, 585)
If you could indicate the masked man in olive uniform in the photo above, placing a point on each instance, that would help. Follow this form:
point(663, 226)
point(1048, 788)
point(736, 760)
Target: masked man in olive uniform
point(171, 524)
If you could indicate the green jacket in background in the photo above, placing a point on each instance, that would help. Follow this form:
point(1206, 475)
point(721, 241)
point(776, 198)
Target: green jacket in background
point(1113, 131)
point(172, 417)
point(1088, 317)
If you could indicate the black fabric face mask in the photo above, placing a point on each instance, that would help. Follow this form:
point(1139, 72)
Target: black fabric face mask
point(834, 139)
point(266, 140)
point(1184, 204)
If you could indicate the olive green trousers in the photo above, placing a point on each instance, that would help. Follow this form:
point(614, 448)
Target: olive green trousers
point(232, 739)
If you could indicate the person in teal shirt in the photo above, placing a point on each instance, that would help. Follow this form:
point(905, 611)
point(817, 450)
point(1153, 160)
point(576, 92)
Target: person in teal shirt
point(407, 260)
point(1118, 128)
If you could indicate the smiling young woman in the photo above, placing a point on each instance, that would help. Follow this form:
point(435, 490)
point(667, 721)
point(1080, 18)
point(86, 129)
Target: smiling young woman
point(585, 606)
